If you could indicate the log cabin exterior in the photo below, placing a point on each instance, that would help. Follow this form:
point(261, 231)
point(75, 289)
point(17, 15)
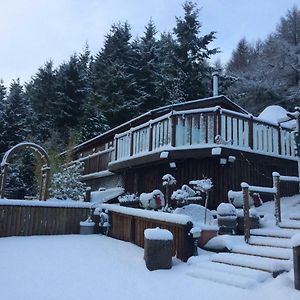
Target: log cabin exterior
point(138, 153)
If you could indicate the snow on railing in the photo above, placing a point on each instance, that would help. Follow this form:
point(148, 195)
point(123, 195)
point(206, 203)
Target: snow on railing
point(148, 214)
point(201, 126)
point(289, 178)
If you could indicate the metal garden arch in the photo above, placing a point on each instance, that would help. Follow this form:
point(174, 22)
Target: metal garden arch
point(45, 169)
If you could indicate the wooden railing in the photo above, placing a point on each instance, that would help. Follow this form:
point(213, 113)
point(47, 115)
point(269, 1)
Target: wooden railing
point(205, 127)
point(98, 161)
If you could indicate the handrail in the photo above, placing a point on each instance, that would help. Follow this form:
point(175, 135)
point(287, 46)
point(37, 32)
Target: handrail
point(201, 126)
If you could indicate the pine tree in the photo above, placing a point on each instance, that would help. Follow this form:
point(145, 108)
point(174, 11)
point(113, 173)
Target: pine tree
point(192, 52)
point(15, 118)
point(114, 80)
point(41, 92)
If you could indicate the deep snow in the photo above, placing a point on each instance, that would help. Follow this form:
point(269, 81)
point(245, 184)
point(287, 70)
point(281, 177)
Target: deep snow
point(92, 267)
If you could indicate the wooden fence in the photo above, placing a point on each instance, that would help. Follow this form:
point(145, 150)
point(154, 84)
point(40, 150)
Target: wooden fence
point(24, 220)
point(131, 228)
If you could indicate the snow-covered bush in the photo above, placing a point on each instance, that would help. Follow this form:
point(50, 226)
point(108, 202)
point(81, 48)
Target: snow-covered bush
point(153, 200)
point(179, 195)
point(168, 179)
point(67, 184)
point(203, 185)
point(128, 198)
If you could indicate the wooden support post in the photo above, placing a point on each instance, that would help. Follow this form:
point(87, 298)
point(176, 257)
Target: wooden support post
point(173, 130)
point(276, 185)
point(251, 137)
point(245, 190)
point(150, 141)
point(116, 149)
point(131, 143)
point(3, 180)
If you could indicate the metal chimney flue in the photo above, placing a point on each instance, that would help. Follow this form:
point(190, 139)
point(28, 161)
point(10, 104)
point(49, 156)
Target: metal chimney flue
point(215, 76)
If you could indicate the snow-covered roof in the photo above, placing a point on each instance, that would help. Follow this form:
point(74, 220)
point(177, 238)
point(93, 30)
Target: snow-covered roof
point(274, 114)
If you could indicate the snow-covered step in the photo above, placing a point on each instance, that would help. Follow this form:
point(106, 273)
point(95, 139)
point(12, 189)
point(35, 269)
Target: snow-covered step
point(274, 232)
point(263, 251)
point(220, 277)
point(295, 216)
point(270, 242)
point(292, 224)
point(257, 275)
point(274, 266)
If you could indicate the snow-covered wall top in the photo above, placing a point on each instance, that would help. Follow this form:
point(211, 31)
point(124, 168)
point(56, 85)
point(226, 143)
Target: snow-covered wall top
point(148, 214)
point(49, 203)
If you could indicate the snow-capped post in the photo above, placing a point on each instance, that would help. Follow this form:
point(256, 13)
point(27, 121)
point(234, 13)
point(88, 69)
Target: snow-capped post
point(296, 260)
point(245, 190)
point(204, 185)
point(167, 181)
point(276, 185)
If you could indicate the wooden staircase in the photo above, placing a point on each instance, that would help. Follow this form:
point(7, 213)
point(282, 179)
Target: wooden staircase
point(268, 254)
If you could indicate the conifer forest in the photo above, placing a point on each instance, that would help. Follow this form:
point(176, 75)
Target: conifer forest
point(88, 94)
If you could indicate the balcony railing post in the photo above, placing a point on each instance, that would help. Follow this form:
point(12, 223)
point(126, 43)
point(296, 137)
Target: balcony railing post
point(150, 137)
point(131, 143)
point(173, 130)
point(218, 125)
point(251, 136)
point(279, 140)
point(116, 149)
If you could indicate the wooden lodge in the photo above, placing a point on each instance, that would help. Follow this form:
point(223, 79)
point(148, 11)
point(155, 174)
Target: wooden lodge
point(211, 137)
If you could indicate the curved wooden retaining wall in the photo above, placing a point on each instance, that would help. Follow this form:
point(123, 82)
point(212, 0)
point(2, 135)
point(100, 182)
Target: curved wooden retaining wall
point(22, 218)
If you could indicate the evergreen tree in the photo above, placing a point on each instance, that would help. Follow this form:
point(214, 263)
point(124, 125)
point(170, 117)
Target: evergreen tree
point(15, 118)
point(41, 92)
point(147, 69)
point(114, 80)
point(192, 52)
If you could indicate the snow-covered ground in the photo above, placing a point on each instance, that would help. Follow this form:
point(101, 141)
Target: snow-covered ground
point(98, 267)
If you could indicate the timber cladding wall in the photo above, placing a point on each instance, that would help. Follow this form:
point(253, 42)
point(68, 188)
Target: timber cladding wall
point(253, 169)
point(16, 220)
point(131, 228)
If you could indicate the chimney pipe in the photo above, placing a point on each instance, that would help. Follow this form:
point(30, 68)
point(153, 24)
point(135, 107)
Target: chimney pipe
point(215, 76)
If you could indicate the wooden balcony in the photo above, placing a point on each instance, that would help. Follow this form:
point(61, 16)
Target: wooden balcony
point(201, 129)
point(191, 133)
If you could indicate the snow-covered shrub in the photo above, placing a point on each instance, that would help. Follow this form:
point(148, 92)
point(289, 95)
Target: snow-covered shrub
point(203, 185)
point(153, 200)
point(179, 195)
point(168, 179)
point(128, 198)
point(67, 184)
point(226, 209)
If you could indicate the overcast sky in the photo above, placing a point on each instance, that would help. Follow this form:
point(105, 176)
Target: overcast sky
point(33, 31)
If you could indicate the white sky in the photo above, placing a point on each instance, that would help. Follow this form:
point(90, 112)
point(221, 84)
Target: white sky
point(33, 31)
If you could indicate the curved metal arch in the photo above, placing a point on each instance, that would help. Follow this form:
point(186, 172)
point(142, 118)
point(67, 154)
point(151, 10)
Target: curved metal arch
point(45, 169)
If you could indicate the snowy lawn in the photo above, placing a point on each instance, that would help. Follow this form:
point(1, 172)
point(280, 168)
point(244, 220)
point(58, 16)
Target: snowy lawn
point(98, 267)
